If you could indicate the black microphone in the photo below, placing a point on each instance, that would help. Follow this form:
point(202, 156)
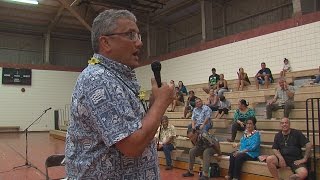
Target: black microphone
point(47, 109)
point(156, 68)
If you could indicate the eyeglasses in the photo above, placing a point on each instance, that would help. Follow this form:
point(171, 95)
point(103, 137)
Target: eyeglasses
point(133, 36)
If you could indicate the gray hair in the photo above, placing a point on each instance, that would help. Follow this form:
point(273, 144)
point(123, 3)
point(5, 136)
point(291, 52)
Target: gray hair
point(106, 23)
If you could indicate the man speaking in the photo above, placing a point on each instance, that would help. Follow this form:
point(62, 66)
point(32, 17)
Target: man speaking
point(110, 134)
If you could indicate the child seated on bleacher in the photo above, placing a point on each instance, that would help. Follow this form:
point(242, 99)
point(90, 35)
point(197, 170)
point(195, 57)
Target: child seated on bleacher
point(286, 68)
point(177, 101)
point(224, 107)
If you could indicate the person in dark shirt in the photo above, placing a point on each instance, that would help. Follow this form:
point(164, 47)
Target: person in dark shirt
point(213, 80)
point(287, 151)
point(264, 76)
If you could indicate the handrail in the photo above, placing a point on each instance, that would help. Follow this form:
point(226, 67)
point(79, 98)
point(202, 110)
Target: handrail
point(313, 111)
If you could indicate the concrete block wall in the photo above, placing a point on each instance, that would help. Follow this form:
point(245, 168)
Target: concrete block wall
point(301, 45)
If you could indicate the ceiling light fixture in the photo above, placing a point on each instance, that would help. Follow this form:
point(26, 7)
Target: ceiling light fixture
point(27, 1)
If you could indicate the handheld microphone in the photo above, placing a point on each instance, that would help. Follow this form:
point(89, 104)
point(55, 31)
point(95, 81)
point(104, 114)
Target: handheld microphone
point(156, 68)
point(47, 109)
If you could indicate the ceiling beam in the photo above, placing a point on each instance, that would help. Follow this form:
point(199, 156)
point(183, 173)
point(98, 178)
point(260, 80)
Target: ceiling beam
point(55, 19)
point(75, 14)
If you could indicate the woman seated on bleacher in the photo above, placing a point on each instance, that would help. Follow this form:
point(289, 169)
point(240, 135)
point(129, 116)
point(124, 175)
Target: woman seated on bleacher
point(178, 100)
point(221, 87)
point(249, 149)
point(243, 79)
point(241, 115)
point(182, 88)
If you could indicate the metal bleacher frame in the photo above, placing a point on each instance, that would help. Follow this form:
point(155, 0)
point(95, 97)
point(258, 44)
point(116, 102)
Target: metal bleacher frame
point(314, 103)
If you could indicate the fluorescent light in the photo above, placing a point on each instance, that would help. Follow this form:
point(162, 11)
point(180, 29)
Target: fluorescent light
point(26, 1)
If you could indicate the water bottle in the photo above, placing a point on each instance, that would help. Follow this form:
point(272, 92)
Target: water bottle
point(209, 172)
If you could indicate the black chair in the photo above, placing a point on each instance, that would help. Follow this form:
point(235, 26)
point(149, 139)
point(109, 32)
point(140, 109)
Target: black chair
point(54, 160)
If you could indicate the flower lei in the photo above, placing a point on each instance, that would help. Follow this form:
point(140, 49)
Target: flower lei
point(93, 61)
point(250, 134)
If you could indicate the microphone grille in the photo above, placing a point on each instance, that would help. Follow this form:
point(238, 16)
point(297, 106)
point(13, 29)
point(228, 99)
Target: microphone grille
point(156, 66)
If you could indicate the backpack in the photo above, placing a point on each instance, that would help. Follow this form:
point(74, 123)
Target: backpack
point(214, 170)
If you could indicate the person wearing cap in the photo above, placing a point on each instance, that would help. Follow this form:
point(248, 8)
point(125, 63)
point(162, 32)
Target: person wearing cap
point(213, 80)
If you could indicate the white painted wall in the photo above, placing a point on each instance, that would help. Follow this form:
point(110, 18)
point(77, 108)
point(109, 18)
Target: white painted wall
point(301, 45)
point(48, 89)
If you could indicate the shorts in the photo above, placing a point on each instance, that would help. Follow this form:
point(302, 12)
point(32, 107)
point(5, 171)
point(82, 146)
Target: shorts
point(225, 110)
point(190, 108)
point(291, 164)
point(262, 81)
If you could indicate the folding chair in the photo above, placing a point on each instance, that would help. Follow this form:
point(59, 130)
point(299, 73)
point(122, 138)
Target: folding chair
point(54, 160)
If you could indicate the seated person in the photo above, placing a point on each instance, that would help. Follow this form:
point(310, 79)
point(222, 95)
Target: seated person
point(286, 68)
point(205, 145)
point(177, 101)
point(287, 152)
point(241, 115)
point(264, 76)
point(182, 88)
point(191, 102)
point(201, 117)
point(283, 99)
point(213, 80)
point(243, 79)
point(166, 140)
point(172, 82)
point(222, 86)
point(249, 150)
point(224, 107)
point(211, 102)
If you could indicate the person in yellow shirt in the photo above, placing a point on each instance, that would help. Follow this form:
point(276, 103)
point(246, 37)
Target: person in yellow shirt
point(166, 140)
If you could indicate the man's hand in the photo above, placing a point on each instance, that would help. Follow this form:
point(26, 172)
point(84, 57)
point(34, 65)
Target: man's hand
point(269, 102)
point(163, 95)
point(201, 126)
point(298, 162)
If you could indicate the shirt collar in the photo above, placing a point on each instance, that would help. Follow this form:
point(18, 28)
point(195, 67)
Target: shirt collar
point(115, 66)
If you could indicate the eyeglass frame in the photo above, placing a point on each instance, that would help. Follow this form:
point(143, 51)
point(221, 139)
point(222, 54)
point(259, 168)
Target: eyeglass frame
point(131, 35)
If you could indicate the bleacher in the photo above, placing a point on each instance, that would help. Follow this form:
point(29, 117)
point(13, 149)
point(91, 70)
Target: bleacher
point(221, 127)
point(268, 128)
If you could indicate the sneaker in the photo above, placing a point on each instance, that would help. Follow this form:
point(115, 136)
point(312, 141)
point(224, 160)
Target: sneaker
point(188, 174)
point(168, 168)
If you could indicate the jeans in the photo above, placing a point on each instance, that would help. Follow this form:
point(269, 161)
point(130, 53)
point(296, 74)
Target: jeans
point(205, 128)
point(235, 128)
point(198, 151)
point(167, 148)
point(235, 164)
point(273, 107)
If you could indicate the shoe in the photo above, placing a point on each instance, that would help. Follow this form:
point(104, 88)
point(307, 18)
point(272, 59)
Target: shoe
point(227, 177)
point(204, 178)
point(230, 140)
point(168, 168)
point(188, 174)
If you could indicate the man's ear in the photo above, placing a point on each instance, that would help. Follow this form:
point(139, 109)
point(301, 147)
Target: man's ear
point(104, 43)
